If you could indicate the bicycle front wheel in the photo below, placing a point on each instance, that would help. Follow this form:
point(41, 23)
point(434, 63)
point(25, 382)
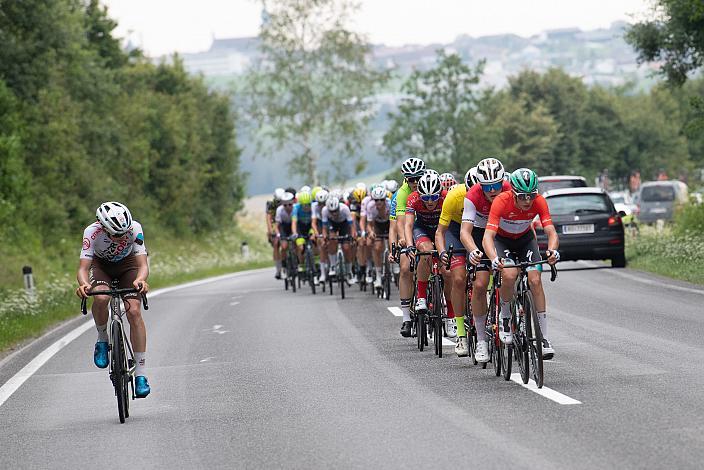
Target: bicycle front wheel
point(119, 371)
point(535, 340)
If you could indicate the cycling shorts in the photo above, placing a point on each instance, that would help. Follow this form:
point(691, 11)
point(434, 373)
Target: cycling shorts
point(452, 237)
point(382, 228)
point(342, 228)
point(422, 233)
point(285, 230)
point(304, 230)
point(520, 250)
point(102, 272)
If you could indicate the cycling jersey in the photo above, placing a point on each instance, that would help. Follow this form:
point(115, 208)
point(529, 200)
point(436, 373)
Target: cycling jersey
point(401, 198)
point(97, 243)
point(317, 210)
point(342, 215)
point(392, 211)
point(453, 206)
point(271, 207)
point(366, 204)
point(509, 221)
point(477, 206)
point(301, 215)
point(426, 217)
point(282, 216)
point(375, 215)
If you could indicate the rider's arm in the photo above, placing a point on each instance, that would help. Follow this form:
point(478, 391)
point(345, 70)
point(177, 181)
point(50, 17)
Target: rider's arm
point(267, 214)
point(409, 220)
point(294, 218)
point(142, 273)
point(469, 214)
point(488, 243)
point(440, 237)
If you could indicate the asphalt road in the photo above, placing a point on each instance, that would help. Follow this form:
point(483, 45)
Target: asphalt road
point(245, 375)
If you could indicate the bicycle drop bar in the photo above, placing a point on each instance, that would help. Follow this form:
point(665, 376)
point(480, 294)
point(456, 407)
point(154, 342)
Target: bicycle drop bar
point(114, 293)
point(522, 266)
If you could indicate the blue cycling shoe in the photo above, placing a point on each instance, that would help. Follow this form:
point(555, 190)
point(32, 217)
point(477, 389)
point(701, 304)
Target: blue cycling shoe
point(141, 387)
point(100, 354)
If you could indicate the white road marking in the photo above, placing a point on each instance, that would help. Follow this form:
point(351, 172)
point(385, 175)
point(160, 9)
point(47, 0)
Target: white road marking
point(396, 311)
point(236, 297)
point(447, 342)
point(650, 282)
point(9, 387)
point(549, 393)
point(207, 359)
point(234, 303)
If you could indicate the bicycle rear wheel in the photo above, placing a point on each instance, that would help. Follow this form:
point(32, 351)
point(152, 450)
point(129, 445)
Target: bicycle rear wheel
point(341, 274)
point(506, 360)
point(119, 371)
point(310, 269)
point(387, 277)
point(520, 340)
point(422, 332)
point(535, 340)
point(437, 315)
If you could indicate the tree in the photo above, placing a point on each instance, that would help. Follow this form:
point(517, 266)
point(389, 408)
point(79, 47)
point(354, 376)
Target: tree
point(440, 116)
point(311, 91)
point(675, 37)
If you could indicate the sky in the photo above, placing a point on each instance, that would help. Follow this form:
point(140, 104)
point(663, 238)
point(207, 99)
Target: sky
point(164, 26)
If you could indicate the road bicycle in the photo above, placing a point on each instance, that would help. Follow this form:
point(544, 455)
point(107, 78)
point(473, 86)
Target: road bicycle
point(386, 275)
point(291, 265)
point(527, 344)
point(309, 260)
point(121, 356)
point(341, 270)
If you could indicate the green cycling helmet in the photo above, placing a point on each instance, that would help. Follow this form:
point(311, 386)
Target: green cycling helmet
point(305, 198)
point(524, 180)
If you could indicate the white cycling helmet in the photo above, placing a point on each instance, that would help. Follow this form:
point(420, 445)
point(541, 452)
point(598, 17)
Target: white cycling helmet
point(333, 204)
point(278, 193)
point(287, 197)
point(430, 171)
point(447, 180)
point(360, 185)
point(321, 196)
point(412, 167)
point(114, 217)
point(378, 193)
point(470, 178)
point(391, 186)
point(304, 189)
point(429, 183)
point(489, 171)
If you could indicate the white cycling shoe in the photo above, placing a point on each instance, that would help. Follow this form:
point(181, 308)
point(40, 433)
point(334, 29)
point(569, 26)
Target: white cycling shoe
point(377, 283)
point(505, 334)
point(421, 304)
point(482, 353)
point(461, 348)
point(548, 351)
point(450, 328)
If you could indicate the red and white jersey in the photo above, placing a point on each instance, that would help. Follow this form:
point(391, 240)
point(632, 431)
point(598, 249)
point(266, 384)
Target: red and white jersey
point(97, 243)
point(424, 216)
point(509, 221)
point(477, 207)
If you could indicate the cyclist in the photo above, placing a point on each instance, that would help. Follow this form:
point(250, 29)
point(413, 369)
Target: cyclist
point(412, 169)
point(317, 208)
point(301, 224)
point(447, 180)
point(356, 199)
point(377, 215)
point(271, 207)
point(476, 205)
point(338, 219)
point(508, 232)
point(283, 222)
point(391, 186)
point(113, 248)
point(423, 209)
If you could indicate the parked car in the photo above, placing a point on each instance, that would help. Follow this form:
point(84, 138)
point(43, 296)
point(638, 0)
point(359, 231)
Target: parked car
point(547, 183)
point(624, 202)
point(588, 224)
point(657, 200)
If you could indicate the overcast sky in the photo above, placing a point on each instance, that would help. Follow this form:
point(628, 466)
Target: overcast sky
point(164, 26)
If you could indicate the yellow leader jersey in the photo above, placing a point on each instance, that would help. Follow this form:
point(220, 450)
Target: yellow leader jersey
point(453, 206)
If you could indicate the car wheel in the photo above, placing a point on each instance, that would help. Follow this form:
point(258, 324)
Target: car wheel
point(619, 261)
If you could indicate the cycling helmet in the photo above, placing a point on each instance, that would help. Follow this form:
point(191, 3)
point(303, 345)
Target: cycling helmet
point(429, 183)
point(304, 197)
point(314, 191)
point(278, 192)
point(333, 204)
point(391, 186)
point(291, 190)
point(361, 185)
point(287, 197)
point(321, 196)
point(489, 171)
point(431, 171)
point(114, 217)
point(447, 180)
point(358, 194)
point(470, 178)
point(304, 188)
point(378, 193)
point(524, 180)
point(412, 167)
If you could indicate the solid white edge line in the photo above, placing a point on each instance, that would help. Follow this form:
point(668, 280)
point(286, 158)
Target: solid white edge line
point(650, 282)
point(549, 393)
point(16, 381)
point(396, 311)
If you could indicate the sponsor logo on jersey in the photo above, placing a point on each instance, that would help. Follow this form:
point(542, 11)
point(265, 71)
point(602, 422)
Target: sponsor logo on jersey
point(86, 243)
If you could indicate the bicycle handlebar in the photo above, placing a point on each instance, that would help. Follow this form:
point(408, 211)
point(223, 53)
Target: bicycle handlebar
point(525, 265)
point(114, 293)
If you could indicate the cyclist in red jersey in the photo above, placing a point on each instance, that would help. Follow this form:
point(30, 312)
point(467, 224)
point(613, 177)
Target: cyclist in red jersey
point(508, 238)
point(423, 210)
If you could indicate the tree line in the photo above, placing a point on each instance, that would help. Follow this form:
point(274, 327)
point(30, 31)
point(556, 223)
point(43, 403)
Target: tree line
point(83, 121)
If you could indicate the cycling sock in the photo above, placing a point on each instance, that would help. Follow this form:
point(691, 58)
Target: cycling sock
point(333, 259)
point(450, 310)
point(348, 268)
point(422, 289)
point(460, 326)
point(378, 273)
point(480, 321)
point(323, 269)
point(140, 359)
point(405, 308)
point(278, 266)
point(102, 332)
point(505, 310)
point(543, 321)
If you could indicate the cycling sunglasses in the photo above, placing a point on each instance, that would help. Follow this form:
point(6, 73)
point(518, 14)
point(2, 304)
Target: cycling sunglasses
point(412, 179)
point(288, 204)
point(429, 197)
point(526, 196)
point(492, 187)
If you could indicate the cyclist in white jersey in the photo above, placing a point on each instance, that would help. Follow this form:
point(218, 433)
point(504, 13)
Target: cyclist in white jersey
point(113, 248)
point(377, 217)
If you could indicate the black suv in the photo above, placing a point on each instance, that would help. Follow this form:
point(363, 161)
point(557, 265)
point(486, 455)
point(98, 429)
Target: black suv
point(587, 223)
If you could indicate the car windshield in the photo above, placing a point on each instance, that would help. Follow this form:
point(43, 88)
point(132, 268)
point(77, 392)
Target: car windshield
point(657, 193)
point(548, 185)
point(578, 204)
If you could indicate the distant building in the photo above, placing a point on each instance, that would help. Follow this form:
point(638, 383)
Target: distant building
point(225, 57)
